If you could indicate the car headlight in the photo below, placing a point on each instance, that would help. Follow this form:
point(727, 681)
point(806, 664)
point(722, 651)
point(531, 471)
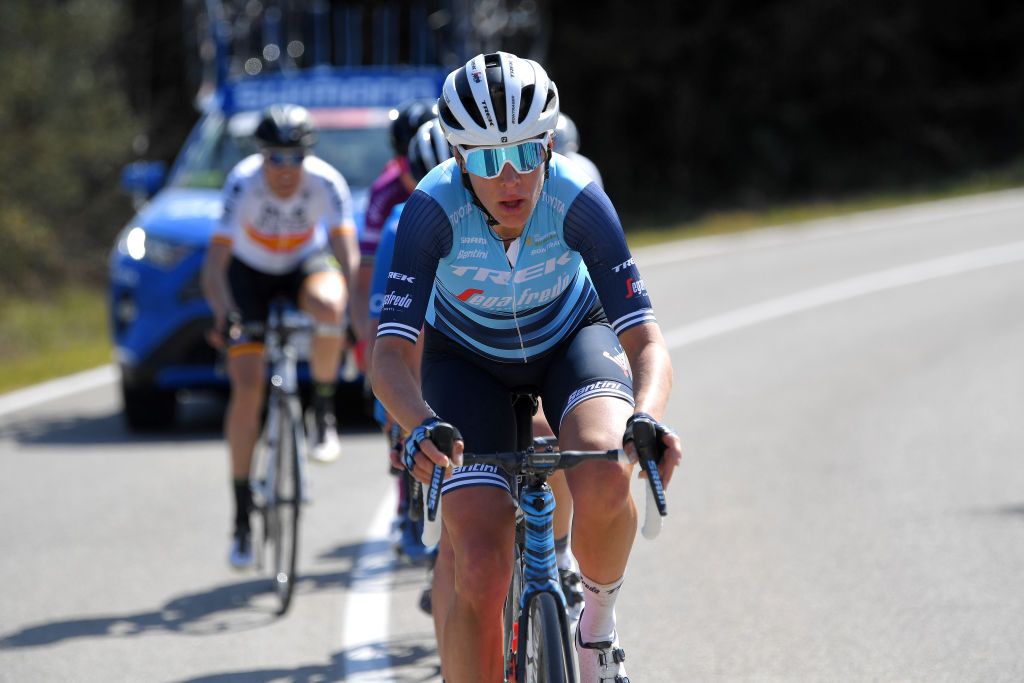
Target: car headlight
point(140, 246)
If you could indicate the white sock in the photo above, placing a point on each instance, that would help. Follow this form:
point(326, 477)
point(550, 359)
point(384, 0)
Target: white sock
point(598, 621)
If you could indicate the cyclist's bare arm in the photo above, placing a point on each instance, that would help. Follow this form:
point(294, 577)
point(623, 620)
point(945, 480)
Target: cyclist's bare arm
point(346, 250)
point(396, 384)
point(652, 383)
point(214, 281)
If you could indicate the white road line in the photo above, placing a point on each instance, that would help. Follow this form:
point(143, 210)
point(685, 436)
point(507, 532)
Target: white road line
point(844, 290)
point(30, 397)
point(839, 226)
point(365, 634)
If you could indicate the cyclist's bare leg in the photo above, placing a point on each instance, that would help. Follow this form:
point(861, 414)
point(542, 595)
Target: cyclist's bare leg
point(242, 419)
point(605, 517)
point(480, 524)
point(324, 298)
point(364, 277)
point(442, 589)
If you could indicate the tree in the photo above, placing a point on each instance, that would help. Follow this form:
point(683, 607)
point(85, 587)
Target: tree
point(66, 127)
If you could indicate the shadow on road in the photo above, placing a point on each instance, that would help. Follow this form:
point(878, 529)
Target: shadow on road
point(198, 419)
point(224, 608)
point(414, 654)
point(233, 607)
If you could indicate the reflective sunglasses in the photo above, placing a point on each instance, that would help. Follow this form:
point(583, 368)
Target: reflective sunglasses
point(487, 162)
point(285, 158)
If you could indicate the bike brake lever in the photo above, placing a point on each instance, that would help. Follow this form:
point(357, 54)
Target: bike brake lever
point(443, 436)
point(645, 439)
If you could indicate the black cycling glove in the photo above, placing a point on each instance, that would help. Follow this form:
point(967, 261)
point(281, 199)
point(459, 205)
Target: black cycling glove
point(660, 431)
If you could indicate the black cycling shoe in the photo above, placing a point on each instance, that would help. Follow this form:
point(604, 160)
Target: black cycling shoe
point(572, 589)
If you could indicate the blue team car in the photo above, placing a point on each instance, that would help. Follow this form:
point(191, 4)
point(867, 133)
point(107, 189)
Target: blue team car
point(158, 315)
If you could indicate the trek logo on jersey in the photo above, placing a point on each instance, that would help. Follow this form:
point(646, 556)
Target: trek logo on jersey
point(393, 300)
point(635, 287)
point(627, 264)
point(401, 277)
point(503, 277)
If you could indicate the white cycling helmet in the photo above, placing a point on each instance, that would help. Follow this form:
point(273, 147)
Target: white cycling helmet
point(567, 138)
point(427, 149)
point(497, 99)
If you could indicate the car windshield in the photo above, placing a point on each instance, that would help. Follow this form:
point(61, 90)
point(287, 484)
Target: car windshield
point(354, 141)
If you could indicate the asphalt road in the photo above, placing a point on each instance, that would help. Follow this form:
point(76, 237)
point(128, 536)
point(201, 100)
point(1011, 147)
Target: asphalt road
point(850, 507)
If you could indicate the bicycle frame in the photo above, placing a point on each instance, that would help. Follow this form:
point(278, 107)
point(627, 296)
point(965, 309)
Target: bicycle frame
point(535, 541)
point(282, 448)
point(282, 359)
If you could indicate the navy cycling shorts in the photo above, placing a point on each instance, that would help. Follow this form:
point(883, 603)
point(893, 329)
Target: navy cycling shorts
point(472, 392)
point(253, 290)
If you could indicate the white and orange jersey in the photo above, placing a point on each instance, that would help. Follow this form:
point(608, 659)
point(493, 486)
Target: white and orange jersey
point(274, 235)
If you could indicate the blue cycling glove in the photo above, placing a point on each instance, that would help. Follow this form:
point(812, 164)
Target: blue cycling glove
point(418, 436)
point(443, 439)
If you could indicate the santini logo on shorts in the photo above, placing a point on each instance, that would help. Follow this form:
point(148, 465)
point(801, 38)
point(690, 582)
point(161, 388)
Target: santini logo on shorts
point(591, 388)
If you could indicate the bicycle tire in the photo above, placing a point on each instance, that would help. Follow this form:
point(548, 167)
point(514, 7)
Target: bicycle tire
point(543, 652)
point(511, 616)
point(288, 500)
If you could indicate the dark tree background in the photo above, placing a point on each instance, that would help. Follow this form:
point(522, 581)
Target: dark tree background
point(685, 106)
point(692, 105)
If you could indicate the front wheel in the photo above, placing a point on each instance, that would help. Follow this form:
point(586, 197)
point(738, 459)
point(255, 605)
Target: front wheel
point(285, 512)
point(544, 655)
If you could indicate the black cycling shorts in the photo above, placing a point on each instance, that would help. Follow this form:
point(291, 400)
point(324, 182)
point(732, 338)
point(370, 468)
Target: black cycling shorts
point(253, 290)
point(472, 392)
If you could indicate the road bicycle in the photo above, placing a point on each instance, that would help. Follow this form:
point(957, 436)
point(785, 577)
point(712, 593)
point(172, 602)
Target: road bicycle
point(538, 647)
point(279, 477)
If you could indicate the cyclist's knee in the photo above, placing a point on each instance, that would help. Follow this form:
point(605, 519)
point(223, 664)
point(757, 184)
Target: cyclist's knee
point(324, 297)
point(600, 489)
point(247, 376)
point(483, 572)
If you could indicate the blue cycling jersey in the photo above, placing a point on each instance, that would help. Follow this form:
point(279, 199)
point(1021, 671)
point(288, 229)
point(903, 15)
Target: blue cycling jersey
point(451, 270)
point(382, 261)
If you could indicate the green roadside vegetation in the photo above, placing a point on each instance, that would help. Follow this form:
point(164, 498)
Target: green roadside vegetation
point(66, 333)
point(44, 339)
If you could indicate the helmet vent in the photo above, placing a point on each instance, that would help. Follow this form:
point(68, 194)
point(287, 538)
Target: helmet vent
point(527, 101)
point(465, 93)
point(449, 118)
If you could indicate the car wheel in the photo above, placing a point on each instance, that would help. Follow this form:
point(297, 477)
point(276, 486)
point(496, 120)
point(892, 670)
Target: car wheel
point(149, 408)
